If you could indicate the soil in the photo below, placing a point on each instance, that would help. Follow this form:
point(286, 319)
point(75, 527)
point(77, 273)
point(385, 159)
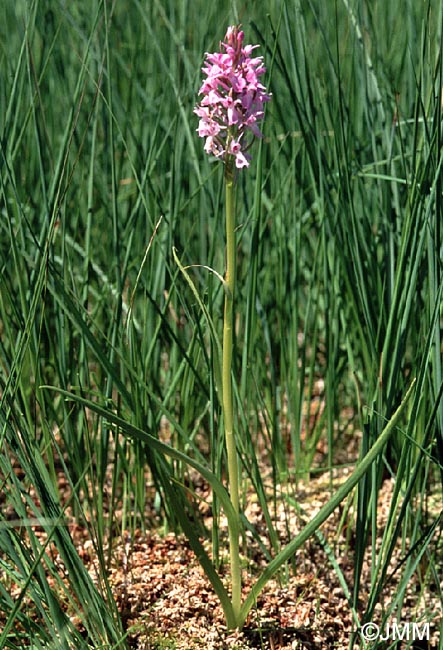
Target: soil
point(166, 602)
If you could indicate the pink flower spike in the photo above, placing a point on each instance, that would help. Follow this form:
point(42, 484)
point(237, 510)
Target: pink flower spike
point(232, 99)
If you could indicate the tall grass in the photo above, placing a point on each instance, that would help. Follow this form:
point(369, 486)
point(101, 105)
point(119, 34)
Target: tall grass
point(339, 275)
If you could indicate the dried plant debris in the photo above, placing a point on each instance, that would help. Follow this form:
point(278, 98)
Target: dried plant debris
point(165, 600)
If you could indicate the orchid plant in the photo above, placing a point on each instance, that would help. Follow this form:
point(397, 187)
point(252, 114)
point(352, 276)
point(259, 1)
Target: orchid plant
point(231, 107)
point(232, 104)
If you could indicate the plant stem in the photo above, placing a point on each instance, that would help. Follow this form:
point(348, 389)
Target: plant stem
point(228, 408)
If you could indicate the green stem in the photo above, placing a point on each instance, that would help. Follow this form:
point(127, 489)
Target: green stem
point(228, 408)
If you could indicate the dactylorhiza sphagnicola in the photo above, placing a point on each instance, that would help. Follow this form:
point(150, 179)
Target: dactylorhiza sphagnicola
point(232, 104)
point(232, 101)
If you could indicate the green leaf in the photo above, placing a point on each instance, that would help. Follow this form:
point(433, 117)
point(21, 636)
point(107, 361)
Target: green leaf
point(324, 513)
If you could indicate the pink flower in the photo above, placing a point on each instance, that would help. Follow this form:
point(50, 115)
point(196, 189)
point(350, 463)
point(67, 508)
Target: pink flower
point(232, 99)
